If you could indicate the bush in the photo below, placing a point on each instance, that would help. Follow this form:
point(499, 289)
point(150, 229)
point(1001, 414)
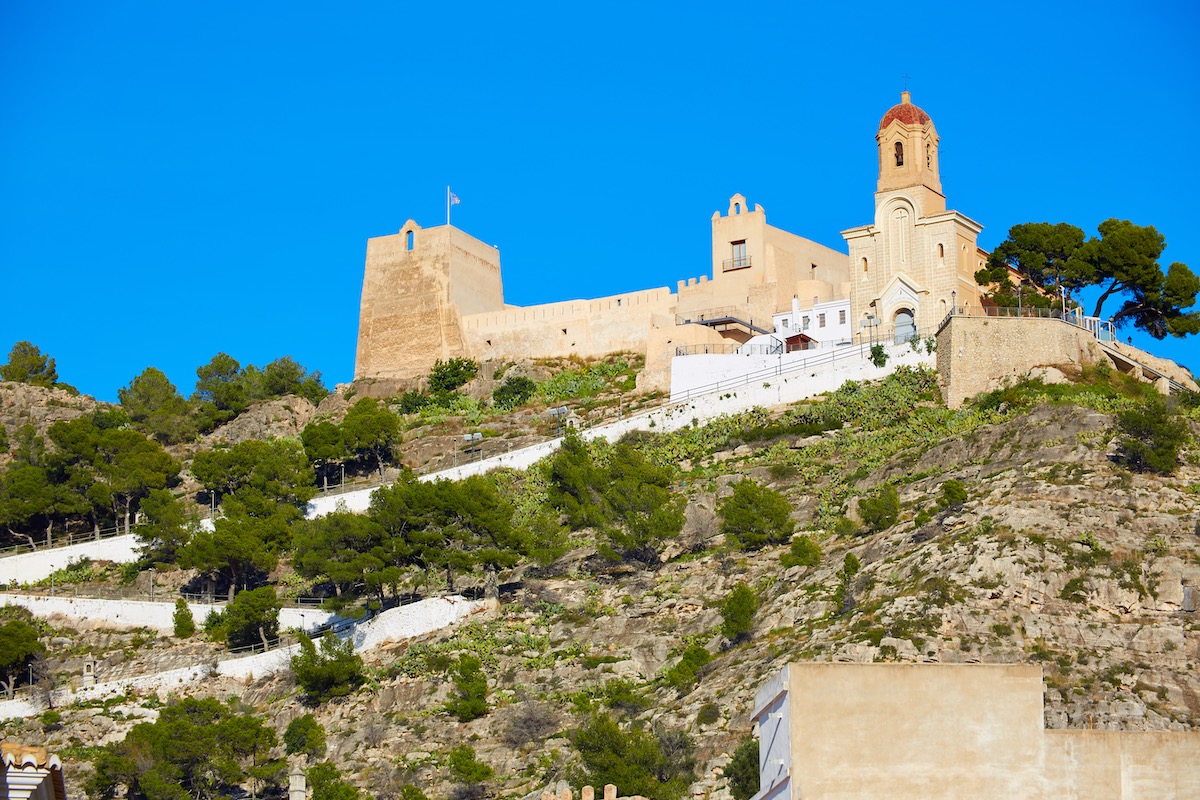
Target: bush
point(804, 552)
point(335, 671)
point(953, 494)
point(326, 783)
point(879, 356)
point(755, 516)
point(252, 617)
point(466, 768)
point(844, 596)
point(185, 623)
point(305, 735)
point(686, 673)
point(515, 391)
point(531, 722)
point(742, 770)
point(708, 714)
point(1151, 437)
point(881, 509)
point(446, 376)
point(471, 689)
point(658, 764)
point(737, 612)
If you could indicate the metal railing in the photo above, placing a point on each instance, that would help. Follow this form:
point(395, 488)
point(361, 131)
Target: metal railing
point(833, 356)
point(730, 264)
point(67, 539)
point(1102, 329)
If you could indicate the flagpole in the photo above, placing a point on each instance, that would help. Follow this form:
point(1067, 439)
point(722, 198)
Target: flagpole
point(447, 204)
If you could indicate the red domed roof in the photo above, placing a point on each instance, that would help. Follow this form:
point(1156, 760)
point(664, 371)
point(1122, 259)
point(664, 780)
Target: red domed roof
point(906, 112)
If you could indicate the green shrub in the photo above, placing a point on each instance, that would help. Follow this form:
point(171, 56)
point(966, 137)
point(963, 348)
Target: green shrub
point(185, 623)
point(305, 735)
point(446, 376)
point(953, 494)
point(471, 689)
point(742, 770)
point(879, 356)
point(804, 552)
point(658, 764)
point(1075, 591)
point(1151, 437)
point(334, 671)
point(326, 783)
point(684, 676)
point(844, 596)
point(466, 768)
point(880, 510)
point(515, 391)
point(737, 613)
point(755, 516)
point(708, 714)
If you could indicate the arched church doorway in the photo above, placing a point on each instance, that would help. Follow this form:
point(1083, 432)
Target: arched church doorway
point(906, 326)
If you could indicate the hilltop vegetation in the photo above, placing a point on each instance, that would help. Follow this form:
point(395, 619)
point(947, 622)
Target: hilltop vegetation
point(663, 577)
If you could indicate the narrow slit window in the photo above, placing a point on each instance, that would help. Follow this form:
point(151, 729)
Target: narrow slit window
point(408, 241)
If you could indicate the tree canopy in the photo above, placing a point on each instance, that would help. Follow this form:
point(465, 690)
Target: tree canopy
point(1121, 263)
point(27, 364)
point(195, 749)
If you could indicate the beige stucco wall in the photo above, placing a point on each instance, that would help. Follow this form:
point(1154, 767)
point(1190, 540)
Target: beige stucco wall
point(914, 730)
point(979, 354)
point(959, 731)
point(406, 317)
point(585, 328)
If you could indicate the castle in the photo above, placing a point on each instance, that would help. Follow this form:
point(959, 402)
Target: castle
point(436, 293)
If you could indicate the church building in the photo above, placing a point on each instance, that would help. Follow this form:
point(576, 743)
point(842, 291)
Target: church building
point(436, 293)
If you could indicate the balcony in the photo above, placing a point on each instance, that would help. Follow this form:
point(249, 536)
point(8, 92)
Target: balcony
point(740, 262)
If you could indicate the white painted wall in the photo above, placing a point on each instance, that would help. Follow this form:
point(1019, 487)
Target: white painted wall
point(392, 625)
point(145, 614)
point(29, 567)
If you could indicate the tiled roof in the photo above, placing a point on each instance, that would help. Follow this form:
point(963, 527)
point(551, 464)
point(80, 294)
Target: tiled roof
point(906, 113)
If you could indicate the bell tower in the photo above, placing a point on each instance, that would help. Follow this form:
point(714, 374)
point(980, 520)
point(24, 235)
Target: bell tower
point(916, 259)
point(908, 156)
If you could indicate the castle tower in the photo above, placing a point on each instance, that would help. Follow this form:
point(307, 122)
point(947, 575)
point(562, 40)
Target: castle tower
point(917, 258)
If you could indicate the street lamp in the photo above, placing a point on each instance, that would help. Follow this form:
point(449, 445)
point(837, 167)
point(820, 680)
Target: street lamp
point(953, 302)
point(52, 580)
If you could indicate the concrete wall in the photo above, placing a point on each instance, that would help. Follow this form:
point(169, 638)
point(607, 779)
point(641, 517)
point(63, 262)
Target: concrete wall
point(393, 625)
point(143, 613)
point(979, 354)
point(957, 731)
point(32, 567)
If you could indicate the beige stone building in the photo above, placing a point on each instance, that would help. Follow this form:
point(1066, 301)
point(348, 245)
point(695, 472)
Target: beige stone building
point(928, 731)
point(436, 293)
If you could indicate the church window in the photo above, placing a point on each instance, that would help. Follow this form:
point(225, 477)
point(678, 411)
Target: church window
point(941, 252)
point(842, 317)
point(899, 154)
point(408, 241)
point(928, 155)
point(864, 265)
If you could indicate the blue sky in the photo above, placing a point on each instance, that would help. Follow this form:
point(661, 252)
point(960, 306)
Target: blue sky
point(182, 179)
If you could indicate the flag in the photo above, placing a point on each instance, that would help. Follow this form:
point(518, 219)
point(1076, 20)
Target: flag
point(453, 199)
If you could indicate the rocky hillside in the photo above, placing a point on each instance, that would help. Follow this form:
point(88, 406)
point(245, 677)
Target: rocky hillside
point(1016, 538)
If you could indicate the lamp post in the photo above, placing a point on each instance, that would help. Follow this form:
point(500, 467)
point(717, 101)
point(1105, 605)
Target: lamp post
point(52, 580)
point(953, 302)
point(151, 583)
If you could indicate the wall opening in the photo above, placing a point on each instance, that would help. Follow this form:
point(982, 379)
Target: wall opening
point(737, 208)
point(899, 154)
point(864, 265)
point(408, 241)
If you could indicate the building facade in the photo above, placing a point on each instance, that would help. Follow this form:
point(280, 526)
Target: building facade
point(436, 293)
